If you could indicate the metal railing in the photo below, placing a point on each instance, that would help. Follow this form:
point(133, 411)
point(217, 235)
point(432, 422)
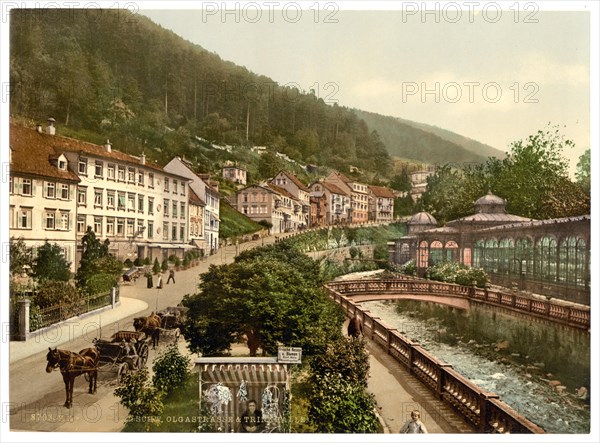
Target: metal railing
point(482, 409)
point(63, 311)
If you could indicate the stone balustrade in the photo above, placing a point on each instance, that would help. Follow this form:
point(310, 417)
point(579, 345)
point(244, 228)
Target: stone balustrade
point(482, 409)
point(551, 310)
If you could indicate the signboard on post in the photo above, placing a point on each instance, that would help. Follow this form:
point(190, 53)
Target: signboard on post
point(289, 355)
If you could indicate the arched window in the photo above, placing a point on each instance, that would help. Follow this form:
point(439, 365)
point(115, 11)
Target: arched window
point(524, 256)
point(546, 255)
point(451, 248)
point(478, 251)
point(490, 261)
point(580, 262)
point(572, 261)
point(506, 255)
point(423, 257)
point(404, 253)
point(436, 253)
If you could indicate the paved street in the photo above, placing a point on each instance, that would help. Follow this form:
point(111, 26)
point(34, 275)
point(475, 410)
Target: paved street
point(37, 397)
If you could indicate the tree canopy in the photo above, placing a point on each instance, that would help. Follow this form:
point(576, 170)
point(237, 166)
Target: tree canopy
point(533, 178)
point(271, 296)
point(119, 76)
point(50, 264)
point(98, 268)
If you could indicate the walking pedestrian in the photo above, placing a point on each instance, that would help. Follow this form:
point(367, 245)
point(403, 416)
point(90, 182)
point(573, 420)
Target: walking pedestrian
point(355, 327)
point(159, 282)
point(414, 425)
point(171, 276)
point(148, 280)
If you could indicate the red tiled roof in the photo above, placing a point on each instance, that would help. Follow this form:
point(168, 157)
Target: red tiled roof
point(281, 191)
point(381, 191)
point(32, 153)
point(334, 188)
point(343, 177)
point(59, 144)
point(295, 179)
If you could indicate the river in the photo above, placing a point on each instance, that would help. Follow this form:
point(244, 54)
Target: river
point(523, 386)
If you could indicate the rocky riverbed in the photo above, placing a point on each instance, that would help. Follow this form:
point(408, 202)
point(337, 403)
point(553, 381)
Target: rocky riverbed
point(525, 384)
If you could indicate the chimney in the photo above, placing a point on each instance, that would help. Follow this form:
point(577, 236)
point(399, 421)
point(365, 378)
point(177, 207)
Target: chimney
point(107, 146)
point(50, 129)
point(143, 159)
point(39, 129)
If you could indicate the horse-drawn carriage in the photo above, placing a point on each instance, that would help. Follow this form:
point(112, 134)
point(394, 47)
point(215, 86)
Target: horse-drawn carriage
point(132, 274)
point(171, 321)
point(166, 322)
point(125, 351)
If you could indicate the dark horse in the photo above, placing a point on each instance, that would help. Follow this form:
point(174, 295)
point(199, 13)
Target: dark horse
point(72, 365)
point(150, 326)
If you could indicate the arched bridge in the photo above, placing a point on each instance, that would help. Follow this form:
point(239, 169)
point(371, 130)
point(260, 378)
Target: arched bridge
point(457, 296)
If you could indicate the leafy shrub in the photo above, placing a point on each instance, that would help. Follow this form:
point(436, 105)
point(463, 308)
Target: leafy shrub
point(338, 399)
point(100, 283)
point(138, 261)
point(156, 266)
point(452, 272)
point(409, 268)
point(52, 293)
point(143, 400)
point(165, 265)
point(147, 261)
point(128, 263)
point(171, 369)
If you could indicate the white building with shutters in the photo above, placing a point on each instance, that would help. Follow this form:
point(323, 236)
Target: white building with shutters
point(42, 193)
point(140, 208)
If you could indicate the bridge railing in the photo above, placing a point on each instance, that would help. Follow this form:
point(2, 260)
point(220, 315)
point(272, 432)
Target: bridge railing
point(484, 410)
point(551, 310)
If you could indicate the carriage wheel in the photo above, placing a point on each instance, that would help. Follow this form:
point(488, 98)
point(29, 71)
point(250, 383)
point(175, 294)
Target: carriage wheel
point(122, 372)
point(143, 356)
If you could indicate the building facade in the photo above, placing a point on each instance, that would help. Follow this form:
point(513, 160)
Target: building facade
point(140, 208)
point(235, 174)
point(549, 257)
point(338, 201)
point(299, 192)
point(260, 202)
point(381, 204)
point(196, 222)
point(209, 195)
point(42, 192)
point(359, 196)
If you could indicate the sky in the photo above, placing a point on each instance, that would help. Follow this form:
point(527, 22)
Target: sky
point(493, 75)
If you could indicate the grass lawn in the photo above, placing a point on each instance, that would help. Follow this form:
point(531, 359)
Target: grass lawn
point(180, 413)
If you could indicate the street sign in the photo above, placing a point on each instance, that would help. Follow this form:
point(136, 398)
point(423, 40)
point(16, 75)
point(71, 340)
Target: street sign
point(289, 355)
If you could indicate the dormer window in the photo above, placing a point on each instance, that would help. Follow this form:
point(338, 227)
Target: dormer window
point(62, 165)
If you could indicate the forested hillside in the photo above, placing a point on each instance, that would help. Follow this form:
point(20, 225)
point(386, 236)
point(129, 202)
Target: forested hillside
point(425, 143)
point(105, 74)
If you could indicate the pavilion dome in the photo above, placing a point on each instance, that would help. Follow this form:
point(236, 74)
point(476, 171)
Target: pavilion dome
point(423, 218)
point(490, 204)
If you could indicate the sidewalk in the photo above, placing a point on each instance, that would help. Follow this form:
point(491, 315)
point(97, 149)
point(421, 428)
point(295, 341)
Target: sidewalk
point(397, 393)
point(89, 325)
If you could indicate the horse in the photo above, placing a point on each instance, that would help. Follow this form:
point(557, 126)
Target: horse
point(71, 366)
point(150, 326)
